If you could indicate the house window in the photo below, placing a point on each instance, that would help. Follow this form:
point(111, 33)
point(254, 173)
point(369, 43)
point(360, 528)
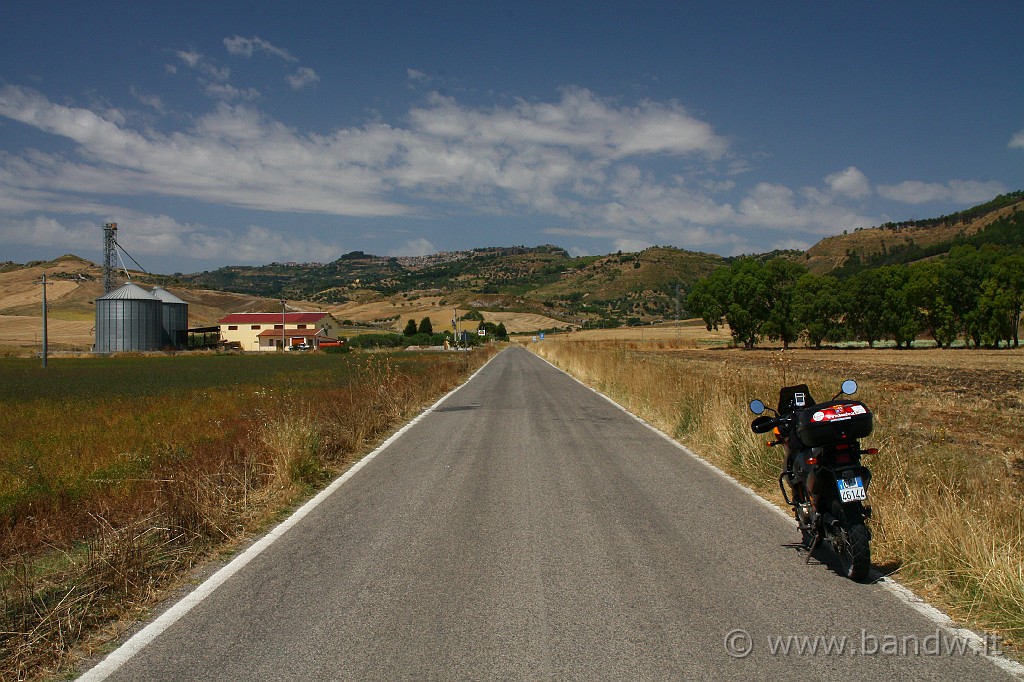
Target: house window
point(255, 326)
point(278, 326)
point(232, 327)
point(302, 326)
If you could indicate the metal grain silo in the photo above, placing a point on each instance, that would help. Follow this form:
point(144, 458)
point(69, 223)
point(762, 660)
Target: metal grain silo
point(128, 318)
point(174, 318)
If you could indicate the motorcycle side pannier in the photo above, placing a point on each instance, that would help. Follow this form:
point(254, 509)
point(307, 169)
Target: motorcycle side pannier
point(833, 422)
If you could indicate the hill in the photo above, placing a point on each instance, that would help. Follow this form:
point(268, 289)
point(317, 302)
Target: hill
point(541, 280)
point(912, 240)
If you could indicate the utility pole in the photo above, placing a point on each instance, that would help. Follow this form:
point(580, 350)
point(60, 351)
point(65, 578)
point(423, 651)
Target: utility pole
point(45, 348)
point(677, 313)
point(283, 322)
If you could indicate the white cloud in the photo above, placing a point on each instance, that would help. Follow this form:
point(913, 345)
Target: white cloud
point(792, 245)
point(247, 47)
point(593, 165)
point(415, 247)
point(850, 183)
point(631, 245)
point(233, 156)
point(259, 245)
point(152, 101)
point(579, 121)
point(302, 78)
point(197, 62)
point(47, 231)
point(775, 206)
point(1017, 141)
point(160, 236)
point(956, 191)
point(417, 76)
point(190, 58)
point(228, 92)
point(579, 159)
point(543, 157)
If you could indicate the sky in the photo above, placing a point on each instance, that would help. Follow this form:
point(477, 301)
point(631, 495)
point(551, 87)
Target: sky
point(244, 133)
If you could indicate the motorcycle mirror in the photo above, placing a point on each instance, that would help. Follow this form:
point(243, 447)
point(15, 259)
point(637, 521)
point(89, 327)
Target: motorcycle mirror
point(849, 387)
point(757, 407)
point(762, 424)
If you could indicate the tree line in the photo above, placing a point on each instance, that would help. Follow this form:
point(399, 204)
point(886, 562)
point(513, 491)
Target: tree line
point(423, 333)
point(974, 294)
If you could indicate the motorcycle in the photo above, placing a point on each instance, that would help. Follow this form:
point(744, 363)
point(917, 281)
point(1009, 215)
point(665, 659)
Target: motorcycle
point(827, 483)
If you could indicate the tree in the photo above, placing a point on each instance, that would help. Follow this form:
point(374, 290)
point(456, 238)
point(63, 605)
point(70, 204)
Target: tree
point(995, 313)
point(739, 295)
point(426, 327)
point(925, 292)
point(966, 268)
point(900, 319)
point(818, 307)
point(749, 305)
point(709, 298)
point(781, 276)
point(1009, 273)
point(863, 299)
point(500, 332)
point(410, 328)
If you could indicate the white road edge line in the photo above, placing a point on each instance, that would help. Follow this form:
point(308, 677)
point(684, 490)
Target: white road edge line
point(140, 639)
point(978, 644)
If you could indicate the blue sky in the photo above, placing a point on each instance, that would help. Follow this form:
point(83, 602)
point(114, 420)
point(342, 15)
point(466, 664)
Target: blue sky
point(245, 133)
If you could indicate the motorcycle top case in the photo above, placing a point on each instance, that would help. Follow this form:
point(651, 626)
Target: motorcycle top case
point(834, 422)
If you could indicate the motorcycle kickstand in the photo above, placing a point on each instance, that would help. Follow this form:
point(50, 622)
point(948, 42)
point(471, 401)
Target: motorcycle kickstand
point(814, 546)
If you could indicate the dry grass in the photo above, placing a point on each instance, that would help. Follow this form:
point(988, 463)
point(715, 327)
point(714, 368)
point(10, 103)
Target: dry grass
point(948, 480)
point(110, 492)
point(684, 334)
point(26, 332)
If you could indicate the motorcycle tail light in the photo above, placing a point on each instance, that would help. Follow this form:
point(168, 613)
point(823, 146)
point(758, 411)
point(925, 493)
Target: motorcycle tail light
point(811, 460)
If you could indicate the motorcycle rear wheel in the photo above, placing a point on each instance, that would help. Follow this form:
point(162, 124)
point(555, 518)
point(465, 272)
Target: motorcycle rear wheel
point(855, 547)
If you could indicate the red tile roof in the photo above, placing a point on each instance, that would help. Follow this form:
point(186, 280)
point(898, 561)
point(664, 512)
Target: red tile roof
point(272, 318)
point(305, 333)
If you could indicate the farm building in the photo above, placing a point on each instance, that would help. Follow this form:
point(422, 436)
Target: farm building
point(271, 331)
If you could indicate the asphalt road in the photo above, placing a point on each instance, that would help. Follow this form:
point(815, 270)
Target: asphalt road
point(529, 529)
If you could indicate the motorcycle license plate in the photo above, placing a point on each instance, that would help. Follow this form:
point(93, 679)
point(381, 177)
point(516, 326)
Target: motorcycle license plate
point(851, 489)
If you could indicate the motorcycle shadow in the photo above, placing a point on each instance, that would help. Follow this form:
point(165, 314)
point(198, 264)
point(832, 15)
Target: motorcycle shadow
point(823, 555)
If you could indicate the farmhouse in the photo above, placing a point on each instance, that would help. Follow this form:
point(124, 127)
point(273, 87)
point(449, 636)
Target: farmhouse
point(271, 331)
